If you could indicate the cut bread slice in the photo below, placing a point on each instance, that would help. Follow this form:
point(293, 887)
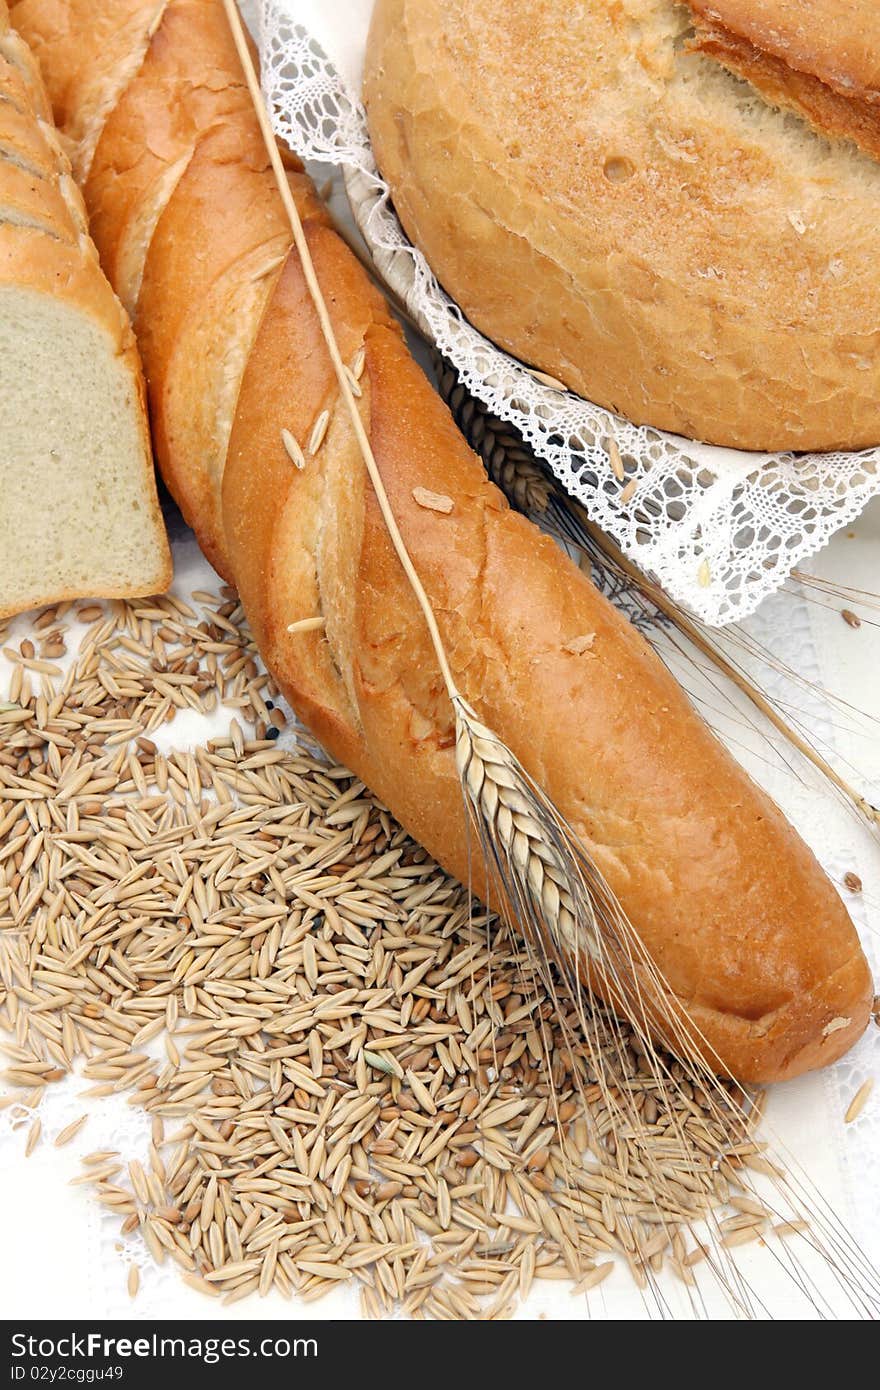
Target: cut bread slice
point(78, 511)
point(153, 136)
point(79, 515)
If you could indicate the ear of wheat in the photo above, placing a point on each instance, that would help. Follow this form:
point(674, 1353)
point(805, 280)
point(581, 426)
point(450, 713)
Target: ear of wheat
point(518, 830)
point(604, 948)
point(574, 927)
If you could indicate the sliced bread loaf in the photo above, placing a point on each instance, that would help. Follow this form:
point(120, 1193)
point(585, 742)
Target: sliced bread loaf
point(79, 514)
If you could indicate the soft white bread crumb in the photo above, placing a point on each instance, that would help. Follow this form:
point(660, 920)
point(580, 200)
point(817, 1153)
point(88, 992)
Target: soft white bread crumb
point(77, 514)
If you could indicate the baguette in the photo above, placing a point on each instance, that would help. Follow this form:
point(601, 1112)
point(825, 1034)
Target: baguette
point(79, 514)
point(608, 203)
point(731, 904)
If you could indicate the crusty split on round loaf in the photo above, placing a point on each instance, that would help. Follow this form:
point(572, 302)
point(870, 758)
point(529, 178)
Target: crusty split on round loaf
point(730, 902)
point(78, 508)
point(820, 58)
point(835, 41)
point(606, 199)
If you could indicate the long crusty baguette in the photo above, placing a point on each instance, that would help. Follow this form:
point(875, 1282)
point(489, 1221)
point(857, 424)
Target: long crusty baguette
point(748, 931)
point(609, 204)
point(78, 508)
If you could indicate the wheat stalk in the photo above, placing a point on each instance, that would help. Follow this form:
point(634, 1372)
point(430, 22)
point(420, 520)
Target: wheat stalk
point(575, 931)
point(508, 811)
point(548, 884)
point(508, 461)
point(617, 964)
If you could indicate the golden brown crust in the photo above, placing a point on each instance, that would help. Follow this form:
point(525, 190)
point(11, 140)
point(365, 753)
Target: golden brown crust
point(15, 52)
point(735, 908)
point(828, 111)
point(37, 200)
point(222, 243)
point(151, 134)
point(45, 248)
point(622, 213)
point(509, 602)
point(272, 512)
point(86, 68)
point(164, 211)
point(836, 41)
point(21, 138)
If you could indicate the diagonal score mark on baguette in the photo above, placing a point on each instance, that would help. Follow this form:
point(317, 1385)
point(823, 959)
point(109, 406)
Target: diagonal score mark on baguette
point(132, 182)
point(572, 922)
point(125, 40)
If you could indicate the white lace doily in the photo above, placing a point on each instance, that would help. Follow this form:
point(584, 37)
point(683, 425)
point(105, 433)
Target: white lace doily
point(720, 529)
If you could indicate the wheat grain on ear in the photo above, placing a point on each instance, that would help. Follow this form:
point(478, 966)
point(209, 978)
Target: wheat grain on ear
point(538, 871)
point(504, 803)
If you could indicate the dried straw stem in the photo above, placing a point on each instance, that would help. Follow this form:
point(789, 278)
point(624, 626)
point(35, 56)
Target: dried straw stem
point(501, 795)
point(534, 873)
point(574, 929)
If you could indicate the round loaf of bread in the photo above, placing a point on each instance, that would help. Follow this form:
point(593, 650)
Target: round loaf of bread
point(617, 208)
